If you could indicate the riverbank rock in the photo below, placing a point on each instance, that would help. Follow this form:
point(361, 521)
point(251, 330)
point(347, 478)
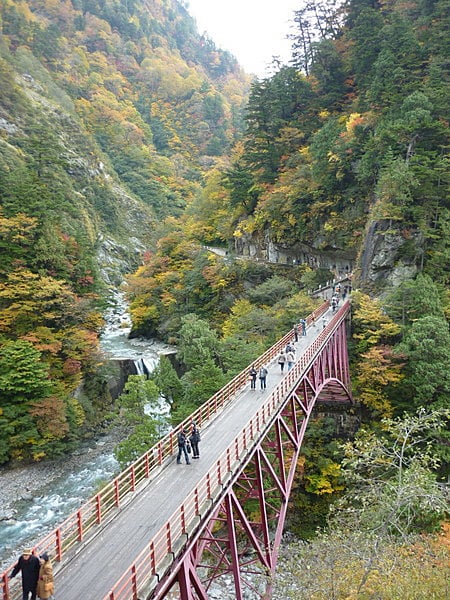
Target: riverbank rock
point(29, 481)
point(7, 515)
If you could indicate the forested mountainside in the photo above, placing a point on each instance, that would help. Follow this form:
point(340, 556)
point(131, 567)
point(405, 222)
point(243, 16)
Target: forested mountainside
point(122, 143)
point(110, 112)
point(130, 144)
point(347, 149)
point(343, 167)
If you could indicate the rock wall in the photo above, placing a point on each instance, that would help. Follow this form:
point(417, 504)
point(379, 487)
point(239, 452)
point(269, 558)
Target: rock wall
point(120, 371)
point(389, 255)
point(260, 246)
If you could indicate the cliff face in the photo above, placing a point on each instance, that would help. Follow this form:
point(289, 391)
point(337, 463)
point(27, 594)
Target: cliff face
point(261, 247)
point(346, 150)
point(389, 255)
point(110, 223)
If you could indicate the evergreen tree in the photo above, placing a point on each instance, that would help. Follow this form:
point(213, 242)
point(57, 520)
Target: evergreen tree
point(397, 68)
point(24, 381)
point(365, 35)
point(138, 408)
point(197, 342)
point(427, 348)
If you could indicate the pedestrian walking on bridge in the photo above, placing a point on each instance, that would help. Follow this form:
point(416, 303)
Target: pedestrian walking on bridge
point(262, 377)
point(29, 564)
point(45, 585)
point(290, 348)
point(303, 324)
point(282, 360)
point(253, 374)
point(290, 357)
point(182, 447)
point(194, 438)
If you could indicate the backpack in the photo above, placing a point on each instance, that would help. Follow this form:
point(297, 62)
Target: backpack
point(262, 372)
point(195, 435)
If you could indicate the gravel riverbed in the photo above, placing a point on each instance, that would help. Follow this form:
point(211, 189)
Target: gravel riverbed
point(24, 489)
point(25, 482)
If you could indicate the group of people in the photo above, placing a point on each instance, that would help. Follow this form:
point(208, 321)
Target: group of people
point(262, 374)
point(286, 357)
point(37, 575)
point(188, 444)
point(300, 330)
point(334, 301)
point(338, 293)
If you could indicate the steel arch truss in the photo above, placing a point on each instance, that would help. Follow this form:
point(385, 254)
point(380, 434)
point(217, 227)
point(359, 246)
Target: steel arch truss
point(238, 542)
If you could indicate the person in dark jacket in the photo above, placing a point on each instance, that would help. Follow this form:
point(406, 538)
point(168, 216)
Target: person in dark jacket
point(194, 438)
point(253, 374)
point(182, 447)
point(29, 564)
point(303, 324)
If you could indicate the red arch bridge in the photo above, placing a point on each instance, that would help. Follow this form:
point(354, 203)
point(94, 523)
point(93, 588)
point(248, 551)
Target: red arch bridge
point(163, 530)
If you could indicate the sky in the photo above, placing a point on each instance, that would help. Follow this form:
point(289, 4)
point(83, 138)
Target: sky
point(252, 30)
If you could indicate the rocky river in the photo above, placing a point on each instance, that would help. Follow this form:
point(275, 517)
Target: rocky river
point(34, 498)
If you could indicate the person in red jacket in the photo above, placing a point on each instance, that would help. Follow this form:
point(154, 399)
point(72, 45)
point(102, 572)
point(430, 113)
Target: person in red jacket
point(29, 564)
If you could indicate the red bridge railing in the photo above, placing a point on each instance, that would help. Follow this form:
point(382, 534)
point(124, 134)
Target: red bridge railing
point(99, 509)
point(149, 566)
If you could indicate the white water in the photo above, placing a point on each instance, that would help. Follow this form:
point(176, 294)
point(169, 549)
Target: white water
point(35, 517)
point(114, 340)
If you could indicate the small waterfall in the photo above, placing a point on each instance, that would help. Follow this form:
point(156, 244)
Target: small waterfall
point(140, 367)
point(145, 365)
point(149, 365)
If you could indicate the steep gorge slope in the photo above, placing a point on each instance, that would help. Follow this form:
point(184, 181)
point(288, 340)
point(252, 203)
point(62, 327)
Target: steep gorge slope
point(110, 112)
point(144, 102)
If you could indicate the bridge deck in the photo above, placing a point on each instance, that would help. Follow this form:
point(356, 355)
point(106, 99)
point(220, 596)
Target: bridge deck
point(96, 566)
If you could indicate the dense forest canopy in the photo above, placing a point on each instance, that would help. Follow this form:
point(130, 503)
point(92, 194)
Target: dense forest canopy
point(345, 150)
point(125, 137)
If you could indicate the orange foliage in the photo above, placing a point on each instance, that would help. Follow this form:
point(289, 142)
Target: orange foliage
point(50, 416)
point(71, 366)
